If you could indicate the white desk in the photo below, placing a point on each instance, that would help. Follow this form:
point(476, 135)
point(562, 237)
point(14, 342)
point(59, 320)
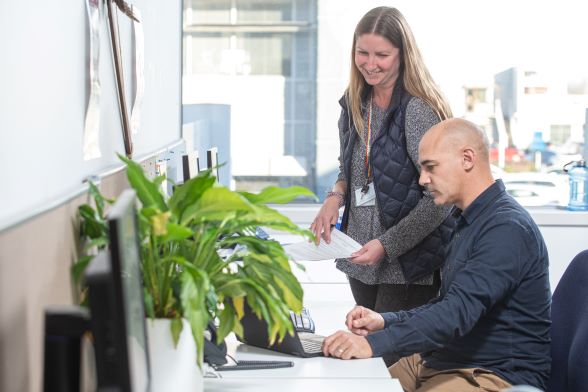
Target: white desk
point(317, 367)
point(307, 374)
point(301, 385)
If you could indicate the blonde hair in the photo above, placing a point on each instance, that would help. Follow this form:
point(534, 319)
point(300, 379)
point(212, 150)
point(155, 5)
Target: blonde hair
point(389, 23)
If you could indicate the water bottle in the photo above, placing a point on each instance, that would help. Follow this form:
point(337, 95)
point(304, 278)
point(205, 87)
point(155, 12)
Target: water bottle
point(578, 185)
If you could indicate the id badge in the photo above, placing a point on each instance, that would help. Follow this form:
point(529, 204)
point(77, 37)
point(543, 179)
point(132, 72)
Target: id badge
point(365, 199)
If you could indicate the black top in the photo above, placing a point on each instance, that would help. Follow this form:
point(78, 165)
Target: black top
point(494, 308)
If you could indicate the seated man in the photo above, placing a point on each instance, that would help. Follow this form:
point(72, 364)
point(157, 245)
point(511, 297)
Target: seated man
point(489, 328)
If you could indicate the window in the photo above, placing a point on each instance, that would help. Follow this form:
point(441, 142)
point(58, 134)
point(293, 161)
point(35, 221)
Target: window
point(262, 53)
point(474, 96)
point(535, 90)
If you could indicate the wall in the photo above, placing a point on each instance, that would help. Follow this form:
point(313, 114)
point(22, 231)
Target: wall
point(44, 79)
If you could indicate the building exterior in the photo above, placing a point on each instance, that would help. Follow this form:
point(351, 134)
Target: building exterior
point(537, 102)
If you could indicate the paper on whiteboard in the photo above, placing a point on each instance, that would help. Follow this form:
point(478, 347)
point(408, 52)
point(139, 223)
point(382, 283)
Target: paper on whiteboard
point(139, 71)
point(91, 146)
point(341, 246)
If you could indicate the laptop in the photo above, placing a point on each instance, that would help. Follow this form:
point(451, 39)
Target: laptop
point(301, 344)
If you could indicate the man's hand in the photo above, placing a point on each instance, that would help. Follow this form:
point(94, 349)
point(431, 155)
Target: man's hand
point(370, 254)
point(361, 321)
point(346, 345)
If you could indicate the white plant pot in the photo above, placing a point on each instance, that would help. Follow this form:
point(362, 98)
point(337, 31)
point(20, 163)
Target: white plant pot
point(172, 368)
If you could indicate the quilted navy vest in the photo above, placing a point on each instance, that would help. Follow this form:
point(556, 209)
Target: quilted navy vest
point(396, 184)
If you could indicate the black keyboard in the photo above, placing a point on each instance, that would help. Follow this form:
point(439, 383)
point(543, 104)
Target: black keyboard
point(302, 322)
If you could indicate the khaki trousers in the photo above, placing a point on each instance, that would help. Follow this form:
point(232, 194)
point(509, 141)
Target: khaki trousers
point(413, 376)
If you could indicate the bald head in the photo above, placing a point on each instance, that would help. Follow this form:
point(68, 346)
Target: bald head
point(454, 162)
point(456, 133)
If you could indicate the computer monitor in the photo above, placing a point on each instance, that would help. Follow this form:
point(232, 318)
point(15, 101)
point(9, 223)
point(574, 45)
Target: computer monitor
point(212, 161)
point(190, 165)
point(116, 304)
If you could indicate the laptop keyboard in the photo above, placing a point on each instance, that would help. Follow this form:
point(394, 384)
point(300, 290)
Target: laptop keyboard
point(311, 343)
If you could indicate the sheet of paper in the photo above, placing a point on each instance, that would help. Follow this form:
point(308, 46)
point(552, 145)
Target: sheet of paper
point(341, 246)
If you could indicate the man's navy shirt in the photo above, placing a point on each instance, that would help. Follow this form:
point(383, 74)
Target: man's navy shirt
point(493, 311)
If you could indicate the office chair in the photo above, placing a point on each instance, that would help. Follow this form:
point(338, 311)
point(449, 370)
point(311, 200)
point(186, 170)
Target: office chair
point(569, 328)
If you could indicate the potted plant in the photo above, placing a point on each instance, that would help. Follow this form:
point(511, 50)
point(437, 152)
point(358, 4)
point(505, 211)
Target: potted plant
point(185, 275)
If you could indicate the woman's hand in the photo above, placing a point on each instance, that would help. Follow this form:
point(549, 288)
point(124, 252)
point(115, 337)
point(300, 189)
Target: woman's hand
point(327, 216)
point(370, 254)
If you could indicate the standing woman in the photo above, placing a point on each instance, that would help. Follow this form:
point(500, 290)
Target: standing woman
point(391, 101)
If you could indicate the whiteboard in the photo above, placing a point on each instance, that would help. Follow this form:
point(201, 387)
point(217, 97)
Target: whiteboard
point(45, 86)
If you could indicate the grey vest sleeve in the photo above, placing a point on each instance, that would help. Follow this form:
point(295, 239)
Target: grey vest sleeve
point(343, 125)
point(425, 216)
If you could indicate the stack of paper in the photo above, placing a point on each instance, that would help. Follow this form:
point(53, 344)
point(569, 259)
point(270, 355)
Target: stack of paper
point(341, 246)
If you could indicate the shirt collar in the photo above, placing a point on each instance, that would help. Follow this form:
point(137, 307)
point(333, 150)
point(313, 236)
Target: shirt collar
point(481, 202)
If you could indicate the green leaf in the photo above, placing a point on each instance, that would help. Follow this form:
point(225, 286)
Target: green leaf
point(147, 191)
point(149, 307)
point(91, 224)
point(239, 305)
point(270, 307)
point(80, 266)
point(293, 302)
point(159, 180)
point(271, 248)
point(227, 319)
point(216, 204)
point(176, 327)
point(238, 329)
point(265, 216)
point(86, 211)
point(276, 195)
point(176, 232)
point(195, 284)
point(99, 200)
point(232, 287)
point(149, 212)
point(190, 192)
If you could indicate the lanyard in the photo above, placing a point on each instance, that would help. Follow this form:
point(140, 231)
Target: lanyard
point(368, 166)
